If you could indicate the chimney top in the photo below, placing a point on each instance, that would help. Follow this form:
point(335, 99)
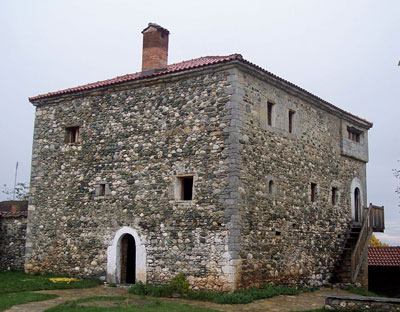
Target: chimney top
point(156, 26)
point(155, 48)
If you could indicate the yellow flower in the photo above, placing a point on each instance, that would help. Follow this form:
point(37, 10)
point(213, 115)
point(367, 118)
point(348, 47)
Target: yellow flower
point(64, 279)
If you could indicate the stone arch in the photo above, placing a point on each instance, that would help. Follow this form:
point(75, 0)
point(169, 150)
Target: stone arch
point(357, 200)
point(114, 256)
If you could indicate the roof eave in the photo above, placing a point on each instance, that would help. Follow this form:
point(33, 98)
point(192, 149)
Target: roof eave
point(236, 59)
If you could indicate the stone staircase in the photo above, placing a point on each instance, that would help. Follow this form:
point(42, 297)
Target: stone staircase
point(352, 262)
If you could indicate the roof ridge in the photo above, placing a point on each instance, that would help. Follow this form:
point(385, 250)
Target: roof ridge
point(187, 65)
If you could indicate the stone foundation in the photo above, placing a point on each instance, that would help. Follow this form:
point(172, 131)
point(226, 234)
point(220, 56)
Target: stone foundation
point(350, 303)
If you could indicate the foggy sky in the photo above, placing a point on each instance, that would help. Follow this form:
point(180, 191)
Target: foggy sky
point(343, 51)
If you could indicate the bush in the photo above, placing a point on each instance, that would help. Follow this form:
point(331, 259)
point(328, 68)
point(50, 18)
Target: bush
point(151, 290)
point(180, 284)
point(202, 295)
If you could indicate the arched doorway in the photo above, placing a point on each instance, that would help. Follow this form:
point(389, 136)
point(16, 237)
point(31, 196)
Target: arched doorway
point(128, 259)
point(357, 200)
point(357, 205)
point(129, 245)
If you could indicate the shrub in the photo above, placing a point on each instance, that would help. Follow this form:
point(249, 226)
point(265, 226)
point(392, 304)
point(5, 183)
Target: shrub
point(202, 295)
point(180, 284)
point(151, 290)
point(138, 289)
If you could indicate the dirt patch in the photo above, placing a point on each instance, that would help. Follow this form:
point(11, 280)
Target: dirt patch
point(116, 303)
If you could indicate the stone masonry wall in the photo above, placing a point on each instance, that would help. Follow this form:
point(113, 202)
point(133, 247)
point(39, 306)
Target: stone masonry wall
point(239, 230)
point(136, 140)
point(12, 240)
point(285, 237)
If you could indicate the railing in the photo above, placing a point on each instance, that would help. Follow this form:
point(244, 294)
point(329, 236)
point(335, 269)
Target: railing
point(378, 218)
point(373, 221)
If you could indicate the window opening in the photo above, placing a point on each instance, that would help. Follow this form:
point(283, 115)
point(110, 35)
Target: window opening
point(269, 113)
point(72, 135)
point(102, 191)
point(313, 191)
point(354, 134)
point(271, 187)
point(186, 184)
point(291, 116)
point(334, 196)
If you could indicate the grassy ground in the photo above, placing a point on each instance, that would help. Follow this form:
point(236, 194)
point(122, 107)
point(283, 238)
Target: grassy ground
point(18, 281)
point(15, 287)
point(242, 296)
point(8, 300)
point(325, 310)
point(361, 291)
point(123, 304)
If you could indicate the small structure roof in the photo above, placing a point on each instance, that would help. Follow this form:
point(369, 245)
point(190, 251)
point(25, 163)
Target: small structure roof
point(384, 256)
point(16, 214)
point(16, 205)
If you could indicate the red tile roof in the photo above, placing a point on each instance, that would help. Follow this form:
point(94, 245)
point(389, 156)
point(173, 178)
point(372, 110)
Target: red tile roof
point(384, 256)
point(19, 205)
point(191, 64)
point(182, 66)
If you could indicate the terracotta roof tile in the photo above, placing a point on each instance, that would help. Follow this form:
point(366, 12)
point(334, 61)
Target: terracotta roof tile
point(182, 66)
point(384, 256)
point(200, 62)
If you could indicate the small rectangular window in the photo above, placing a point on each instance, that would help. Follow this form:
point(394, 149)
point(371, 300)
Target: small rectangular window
point(354, 134)
point(291, 117)
point(313, 191)
point(186, 188)
point(334, 195)
point(269, 113)
point(72, 135)
point(102, 190)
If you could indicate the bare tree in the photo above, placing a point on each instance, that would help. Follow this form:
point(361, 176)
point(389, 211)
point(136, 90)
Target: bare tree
point(21, 191)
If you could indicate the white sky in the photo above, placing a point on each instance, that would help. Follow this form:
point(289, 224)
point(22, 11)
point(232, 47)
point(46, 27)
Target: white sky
point(344, 51)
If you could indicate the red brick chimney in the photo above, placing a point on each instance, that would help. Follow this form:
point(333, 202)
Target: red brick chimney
point(155, 48)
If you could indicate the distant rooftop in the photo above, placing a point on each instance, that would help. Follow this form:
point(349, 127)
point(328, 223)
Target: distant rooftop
point(384, 256)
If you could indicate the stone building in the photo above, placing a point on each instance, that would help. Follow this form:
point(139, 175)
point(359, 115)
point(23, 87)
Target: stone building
point(213, 167)
point(12, 239)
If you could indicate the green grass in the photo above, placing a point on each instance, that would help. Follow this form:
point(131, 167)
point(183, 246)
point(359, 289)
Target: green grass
point(361, 291)
point(147, 306)
point(18, 281)
point(15, 287)
point(238, 297)
point(325, 310)
point(8, 300)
